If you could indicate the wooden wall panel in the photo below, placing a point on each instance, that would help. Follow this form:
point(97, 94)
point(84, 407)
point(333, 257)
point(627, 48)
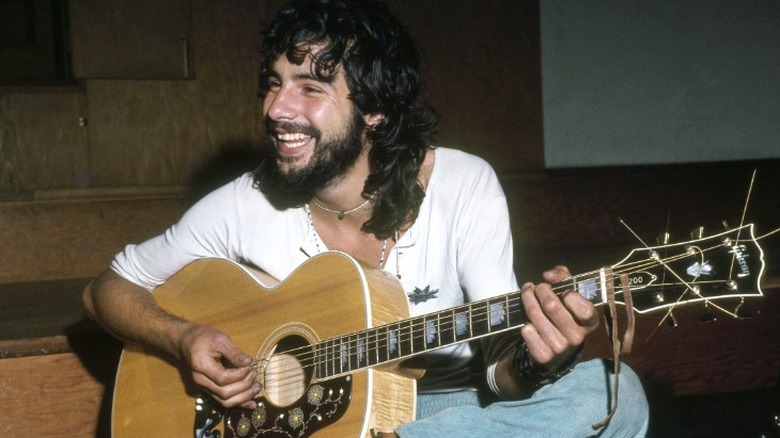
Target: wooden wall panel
point(145, 133)
point(585, 207)
point(483, 79)
point(53, 240)
point(42, 143)
point(482, 73)
point(145, 39)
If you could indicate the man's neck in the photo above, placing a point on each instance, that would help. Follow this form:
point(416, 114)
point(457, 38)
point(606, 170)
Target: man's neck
point(346, 192)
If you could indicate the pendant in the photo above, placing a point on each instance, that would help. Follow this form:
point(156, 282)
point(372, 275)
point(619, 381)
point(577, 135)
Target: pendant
point(341, 215)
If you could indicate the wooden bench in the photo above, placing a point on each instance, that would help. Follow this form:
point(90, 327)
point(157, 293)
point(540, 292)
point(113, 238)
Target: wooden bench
point(57, 368)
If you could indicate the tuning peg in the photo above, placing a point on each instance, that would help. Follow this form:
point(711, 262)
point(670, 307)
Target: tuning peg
point(707, 315)
point(743, 311)
point(663, 239)
point(671, 322)
point(697, 233)
point(725, 225)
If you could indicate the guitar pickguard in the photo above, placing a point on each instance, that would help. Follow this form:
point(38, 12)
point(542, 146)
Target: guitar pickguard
point(322, 404)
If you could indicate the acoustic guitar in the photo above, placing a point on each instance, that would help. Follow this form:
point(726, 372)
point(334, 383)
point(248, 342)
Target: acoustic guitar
point(329, 340)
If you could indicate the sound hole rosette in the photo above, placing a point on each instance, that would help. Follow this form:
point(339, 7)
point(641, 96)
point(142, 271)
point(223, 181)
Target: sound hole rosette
point(285, 364)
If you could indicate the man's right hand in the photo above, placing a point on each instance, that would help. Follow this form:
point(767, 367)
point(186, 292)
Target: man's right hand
point(129, 312)
point(219, 367)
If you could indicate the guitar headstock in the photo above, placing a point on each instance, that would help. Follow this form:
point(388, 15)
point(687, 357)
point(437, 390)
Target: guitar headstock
point(703, 270)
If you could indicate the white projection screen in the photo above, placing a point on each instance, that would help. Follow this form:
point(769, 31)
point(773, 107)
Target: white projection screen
point(659, 82)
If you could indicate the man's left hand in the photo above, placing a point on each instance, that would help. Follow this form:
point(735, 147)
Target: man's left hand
point(557, 325)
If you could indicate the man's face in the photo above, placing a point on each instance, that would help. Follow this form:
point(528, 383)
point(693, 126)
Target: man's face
point(312, 124)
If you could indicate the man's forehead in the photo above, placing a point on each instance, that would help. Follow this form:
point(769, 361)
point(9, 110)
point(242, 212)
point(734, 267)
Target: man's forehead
point(307, 58)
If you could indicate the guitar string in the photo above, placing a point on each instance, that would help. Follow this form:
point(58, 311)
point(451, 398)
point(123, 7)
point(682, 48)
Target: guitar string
point(651, 262)
point(337, 351)
point(373, 340)
point(370, 342)
point(381, 338)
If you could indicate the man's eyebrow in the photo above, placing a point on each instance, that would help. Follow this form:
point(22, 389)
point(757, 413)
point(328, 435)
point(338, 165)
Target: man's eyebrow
point(313, 77)
point(303, 77)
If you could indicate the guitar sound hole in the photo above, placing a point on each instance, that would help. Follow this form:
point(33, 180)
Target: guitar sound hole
point(287, 371)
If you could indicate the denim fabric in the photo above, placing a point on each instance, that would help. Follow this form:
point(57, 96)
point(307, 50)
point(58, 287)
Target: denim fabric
point(566, 408)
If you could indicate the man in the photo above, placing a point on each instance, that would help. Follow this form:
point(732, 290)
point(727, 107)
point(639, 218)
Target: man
point(349, 169)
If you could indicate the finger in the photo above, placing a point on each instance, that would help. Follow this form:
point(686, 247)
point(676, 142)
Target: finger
point(232, 394)
point(556, 274)
point(537, 348)
point(572, 329)
point(225, 347)
point(582, 310)
point(214, 371)
point(567, 329)
point(243, 398)
point(544, 311)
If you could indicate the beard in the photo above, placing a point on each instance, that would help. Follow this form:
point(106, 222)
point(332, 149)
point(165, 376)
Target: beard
point(330, 160)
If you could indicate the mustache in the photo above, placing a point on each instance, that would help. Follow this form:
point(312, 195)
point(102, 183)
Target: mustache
point(271, 127)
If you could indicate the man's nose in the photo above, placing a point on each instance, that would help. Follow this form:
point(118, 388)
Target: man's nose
point(283, 105)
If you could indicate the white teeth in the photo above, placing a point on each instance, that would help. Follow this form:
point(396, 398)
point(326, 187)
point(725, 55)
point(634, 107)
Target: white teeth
point(292, 137)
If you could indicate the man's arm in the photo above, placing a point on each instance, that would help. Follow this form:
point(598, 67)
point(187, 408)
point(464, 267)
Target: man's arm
point(129, 312)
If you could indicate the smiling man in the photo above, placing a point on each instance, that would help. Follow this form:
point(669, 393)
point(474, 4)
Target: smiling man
point(349, 168)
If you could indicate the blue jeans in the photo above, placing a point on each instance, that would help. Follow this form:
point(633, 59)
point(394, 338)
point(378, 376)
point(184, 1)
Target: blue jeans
point(566, 408)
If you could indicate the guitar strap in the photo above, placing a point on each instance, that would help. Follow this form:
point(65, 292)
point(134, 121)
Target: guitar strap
point(628, 336)
point(618, 347)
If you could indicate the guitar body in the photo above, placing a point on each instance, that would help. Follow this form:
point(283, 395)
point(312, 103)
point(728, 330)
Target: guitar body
point(329, 295)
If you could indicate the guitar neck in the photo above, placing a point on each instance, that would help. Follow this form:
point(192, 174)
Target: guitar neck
point(725, 265)
point(410, 337)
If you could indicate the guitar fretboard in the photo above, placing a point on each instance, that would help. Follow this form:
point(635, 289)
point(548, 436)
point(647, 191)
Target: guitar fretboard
point(398, 340)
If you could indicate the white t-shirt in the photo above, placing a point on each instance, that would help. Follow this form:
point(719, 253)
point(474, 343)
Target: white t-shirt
point(458, 250)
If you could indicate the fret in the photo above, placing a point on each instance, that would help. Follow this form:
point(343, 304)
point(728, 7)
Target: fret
point(515, 313)
point(381, 344)
point(417, 331)
point(479, 319)
point(352, 353)
point(431, 333)
point(329, 358)
point(462, 325)
point(317, 362)
point(343, 355)
point(447, 327)
point(370, 342)
point(405, 338)
point(323, 362)
point(360, 350)
point(334, 358)
point(588, 288)
point(497, 316)
point(393, 341)
point(372, 347)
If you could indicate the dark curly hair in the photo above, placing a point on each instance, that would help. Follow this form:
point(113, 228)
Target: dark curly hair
point(381, 66)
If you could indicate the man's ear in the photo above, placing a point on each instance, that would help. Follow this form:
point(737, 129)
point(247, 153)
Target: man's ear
point(372, 120)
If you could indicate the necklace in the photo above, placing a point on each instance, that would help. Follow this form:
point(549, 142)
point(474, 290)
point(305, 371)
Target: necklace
point(341, 213)
point(317, 236)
